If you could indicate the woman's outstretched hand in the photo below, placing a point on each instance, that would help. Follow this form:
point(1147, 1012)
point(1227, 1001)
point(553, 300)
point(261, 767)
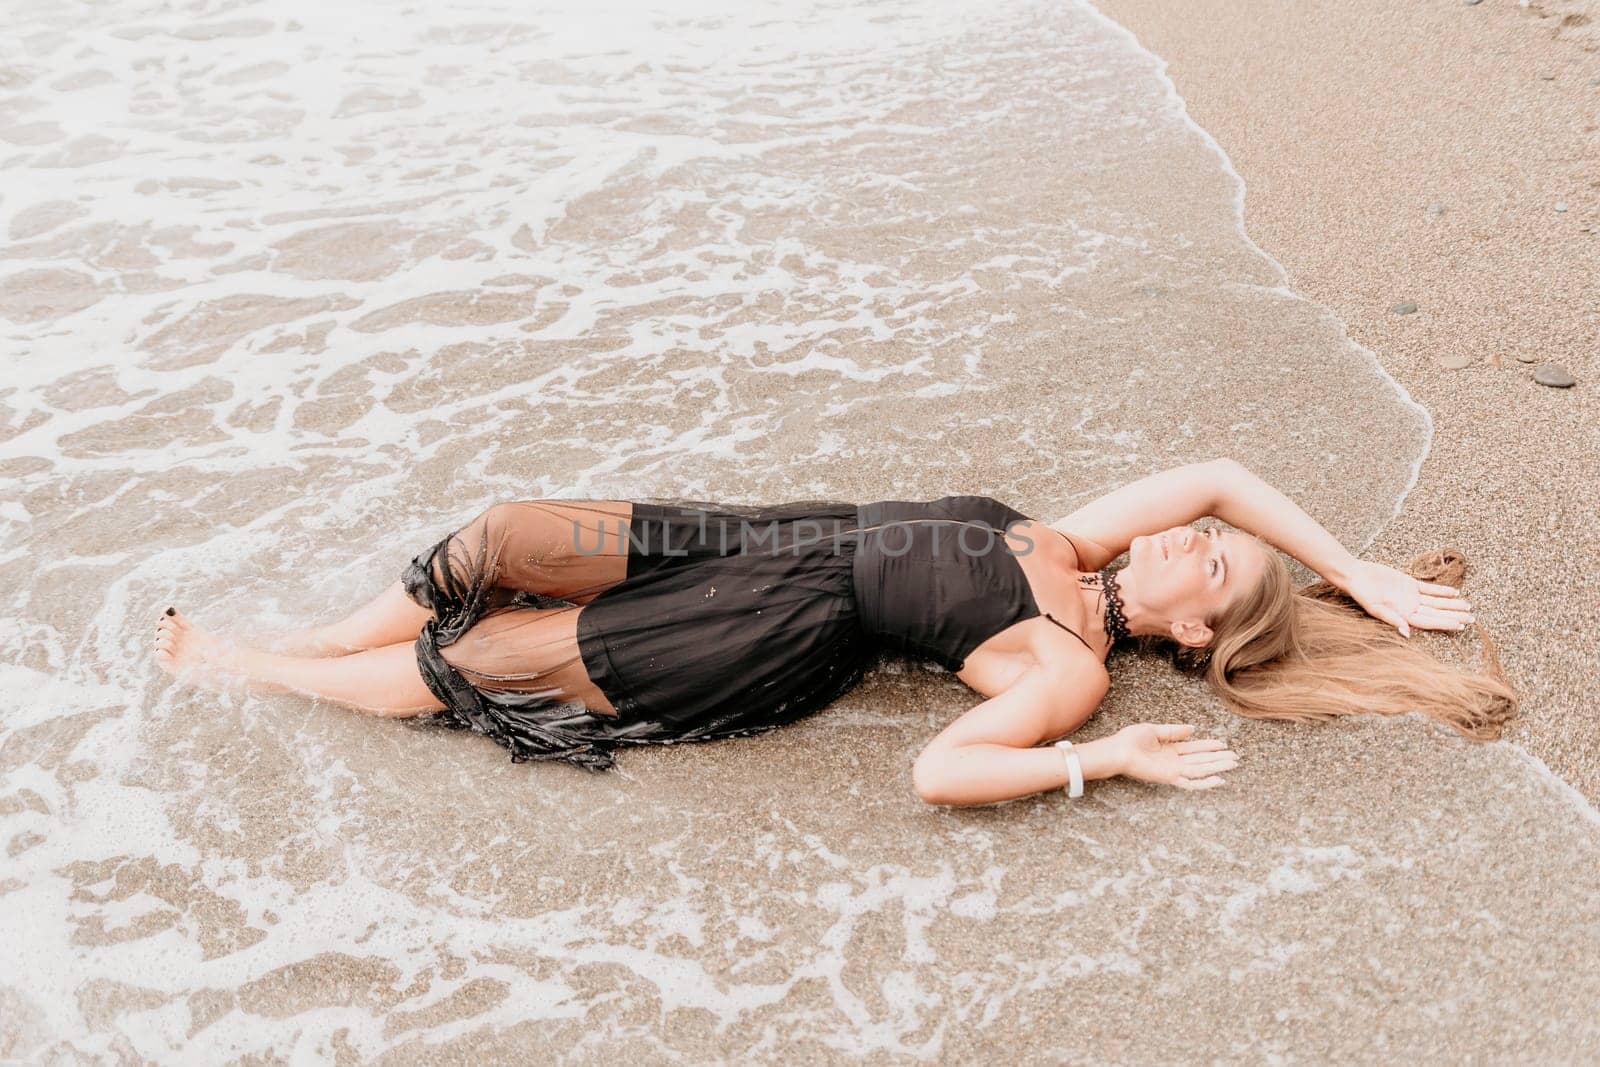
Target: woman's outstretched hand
point(1163, 753)
point(1403, 601)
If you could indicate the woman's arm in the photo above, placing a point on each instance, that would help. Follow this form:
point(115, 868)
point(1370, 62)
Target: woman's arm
point(1250, 504)
point(1179, 496)
point(989, 754)
point(1102, 530)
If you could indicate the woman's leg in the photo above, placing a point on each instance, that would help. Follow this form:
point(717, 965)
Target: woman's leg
point(568, 549)
point(571, 549)
point(380, 681)
point(521, 652)
point(390, 619)
point(527, 653)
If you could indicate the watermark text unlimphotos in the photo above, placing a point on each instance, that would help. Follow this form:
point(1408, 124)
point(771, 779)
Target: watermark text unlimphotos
point(972, 537)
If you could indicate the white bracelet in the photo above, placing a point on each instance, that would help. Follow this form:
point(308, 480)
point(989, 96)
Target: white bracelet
point(1074, 769)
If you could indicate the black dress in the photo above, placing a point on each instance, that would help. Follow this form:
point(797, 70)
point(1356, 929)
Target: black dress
point(729, 620)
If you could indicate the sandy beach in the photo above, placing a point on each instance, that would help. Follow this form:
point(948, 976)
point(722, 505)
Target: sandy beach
point(287, 298)
point(1418, 153)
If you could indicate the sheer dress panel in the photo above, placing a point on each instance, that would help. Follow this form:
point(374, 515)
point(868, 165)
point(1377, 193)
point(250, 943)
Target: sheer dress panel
point(563, 628)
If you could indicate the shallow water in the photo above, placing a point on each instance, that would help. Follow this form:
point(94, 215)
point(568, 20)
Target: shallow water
point(290, 291)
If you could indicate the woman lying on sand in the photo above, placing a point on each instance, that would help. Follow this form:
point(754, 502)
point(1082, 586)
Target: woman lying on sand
point(563, 628)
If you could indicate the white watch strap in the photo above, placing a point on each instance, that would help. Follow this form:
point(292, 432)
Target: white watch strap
point(1074, 769)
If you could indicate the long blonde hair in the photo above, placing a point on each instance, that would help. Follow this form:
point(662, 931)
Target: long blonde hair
point(1310, 654)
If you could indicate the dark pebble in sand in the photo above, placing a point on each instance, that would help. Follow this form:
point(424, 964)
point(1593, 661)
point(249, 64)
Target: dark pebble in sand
point(1406, 308)
point(1473, 3)
point(1436, 210)
point(1555, 376)
point(1547, 77)
point(1523, 357)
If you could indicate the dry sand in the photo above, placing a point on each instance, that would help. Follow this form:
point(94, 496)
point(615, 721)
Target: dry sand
point(1347, 122)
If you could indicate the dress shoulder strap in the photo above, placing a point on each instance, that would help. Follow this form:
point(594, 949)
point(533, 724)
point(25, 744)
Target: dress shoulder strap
point(1076, 551)
point(1052, 618)
point(1071, 631)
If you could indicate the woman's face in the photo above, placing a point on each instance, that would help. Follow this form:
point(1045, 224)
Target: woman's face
point(1184, 575)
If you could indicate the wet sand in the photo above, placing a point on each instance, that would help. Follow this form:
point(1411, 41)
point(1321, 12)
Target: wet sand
point(1348, 122)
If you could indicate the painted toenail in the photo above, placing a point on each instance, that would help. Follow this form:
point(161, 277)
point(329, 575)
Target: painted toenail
point(169, 611)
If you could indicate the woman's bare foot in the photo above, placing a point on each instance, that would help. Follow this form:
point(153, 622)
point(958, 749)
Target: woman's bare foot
point(193, 656)
point(380, 681)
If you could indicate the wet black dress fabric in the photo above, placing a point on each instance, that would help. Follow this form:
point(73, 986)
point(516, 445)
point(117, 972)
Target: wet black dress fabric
point(936, 579)
point(755, 626)
point(728, 621)
point(731, 621)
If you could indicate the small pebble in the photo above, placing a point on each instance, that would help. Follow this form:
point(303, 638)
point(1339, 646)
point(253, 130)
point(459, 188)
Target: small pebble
point(1455, 361)
point(1594, 81)
point(1555, 376)
point(1472, 3)
point(1405, 308)
point(1561, 205)
point(1527, 357)
point(1547, 77)
point(1436, 210)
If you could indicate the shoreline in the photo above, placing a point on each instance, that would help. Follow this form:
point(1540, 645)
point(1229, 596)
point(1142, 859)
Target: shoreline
point(1441, 189)
point(1285, 281)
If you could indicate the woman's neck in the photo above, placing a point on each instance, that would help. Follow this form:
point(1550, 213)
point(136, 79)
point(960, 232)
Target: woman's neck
point(1141, 622)
point(1092, 595)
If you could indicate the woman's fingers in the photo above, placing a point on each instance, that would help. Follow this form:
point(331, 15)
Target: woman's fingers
point(1444, 590)
point(1386, 613)
point(1208, 756)
point(1203, 764)
point(1173, 731)
point(1205, 744)
point(1445, 603)
point(1200, 783)
point(1440, 620)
